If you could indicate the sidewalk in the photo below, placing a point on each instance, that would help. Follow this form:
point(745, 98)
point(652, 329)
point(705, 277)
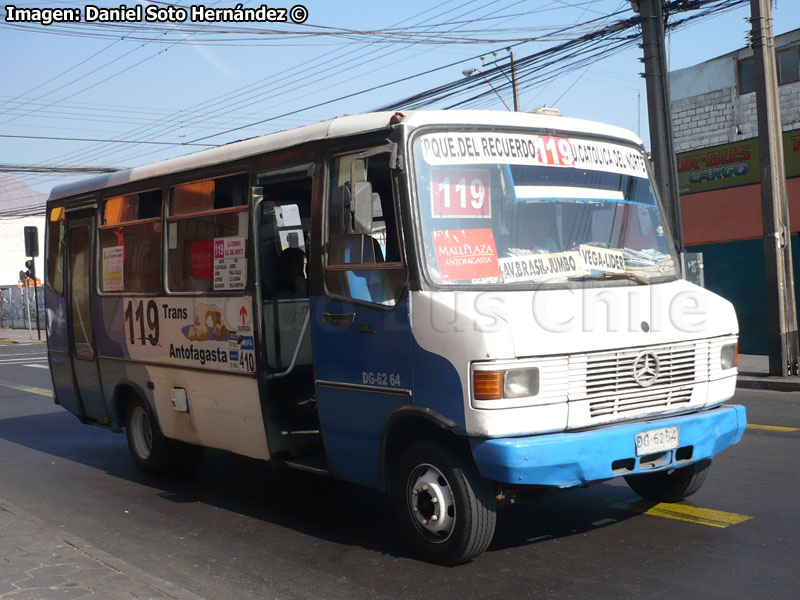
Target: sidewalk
point(20, 336)
point(38, 562)
point(754, 375)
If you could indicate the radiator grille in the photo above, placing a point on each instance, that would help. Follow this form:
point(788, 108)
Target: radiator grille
point(612, 372)
point(655, 399)
point(613, 391)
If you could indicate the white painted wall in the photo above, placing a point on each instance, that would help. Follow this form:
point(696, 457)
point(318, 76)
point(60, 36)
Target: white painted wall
point(12, 248)
point(710, 76)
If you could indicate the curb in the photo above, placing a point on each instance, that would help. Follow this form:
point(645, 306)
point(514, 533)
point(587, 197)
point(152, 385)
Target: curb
point(764, 383)
point(22, 342)
point(107, 560)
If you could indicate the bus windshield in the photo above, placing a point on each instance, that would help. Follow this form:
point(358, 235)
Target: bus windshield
point(518, 209)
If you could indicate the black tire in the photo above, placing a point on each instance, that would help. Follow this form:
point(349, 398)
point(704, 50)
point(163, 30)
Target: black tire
point(153, 453)
point(435, 487)
point(670, 485)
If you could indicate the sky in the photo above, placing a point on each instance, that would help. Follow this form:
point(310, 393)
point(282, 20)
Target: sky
point(179, 85)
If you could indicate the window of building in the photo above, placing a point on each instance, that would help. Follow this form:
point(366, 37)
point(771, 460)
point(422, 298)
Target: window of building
point(747, 75)
point(207, 235)
point(788, 64)
point(130, 243)
point(55, 249)
point(366, 267)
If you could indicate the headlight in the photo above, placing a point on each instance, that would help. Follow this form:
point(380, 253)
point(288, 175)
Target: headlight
point(513, 383)
point(520, 383)
point(729, 356)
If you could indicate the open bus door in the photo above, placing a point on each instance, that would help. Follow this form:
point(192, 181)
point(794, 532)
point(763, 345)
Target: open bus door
point(82, 348)
point(283, 232)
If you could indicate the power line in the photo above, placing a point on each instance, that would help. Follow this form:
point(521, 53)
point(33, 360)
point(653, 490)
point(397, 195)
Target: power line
point(558, 60)
point(68, 139)
point(236, 94)
point(589, 53)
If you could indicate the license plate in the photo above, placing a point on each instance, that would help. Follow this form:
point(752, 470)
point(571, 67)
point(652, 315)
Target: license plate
point(656, 440)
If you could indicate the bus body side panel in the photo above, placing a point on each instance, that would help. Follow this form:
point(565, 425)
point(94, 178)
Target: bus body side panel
point(223, 408)
point(363, 372)
point(114, 375)
point(110, 328)
point(437, 386)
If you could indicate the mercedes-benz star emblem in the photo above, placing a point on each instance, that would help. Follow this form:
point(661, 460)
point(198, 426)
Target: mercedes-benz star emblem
point(645, 368)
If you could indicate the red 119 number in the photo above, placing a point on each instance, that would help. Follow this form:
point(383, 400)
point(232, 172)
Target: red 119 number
point(554, 151)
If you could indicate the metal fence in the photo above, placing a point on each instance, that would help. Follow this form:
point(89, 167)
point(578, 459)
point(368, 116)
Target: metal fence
point(16, 304)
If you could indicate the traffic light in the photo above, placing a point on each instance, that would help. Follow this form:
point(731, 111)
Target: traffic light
point(31, 241)
point(31, 269)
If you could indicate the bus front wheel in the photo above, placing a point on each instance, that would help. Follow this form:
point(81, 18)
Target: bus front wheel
point(151, 451)
point(670, 485)
point(446, 509)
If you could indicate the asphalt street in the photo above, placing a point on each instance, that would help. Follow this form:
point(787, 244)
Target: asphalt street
point(240, 529)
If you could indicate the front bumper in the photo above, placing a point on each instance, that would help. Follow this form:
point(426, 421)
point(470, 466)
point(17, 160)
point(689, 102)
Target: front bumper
point(570, 459)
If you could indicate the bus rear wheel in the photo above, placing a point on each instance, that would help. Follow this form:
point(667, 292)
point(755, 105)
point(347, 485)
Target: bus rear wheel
point(670, 485)
point(152, 452)
point(446, 509)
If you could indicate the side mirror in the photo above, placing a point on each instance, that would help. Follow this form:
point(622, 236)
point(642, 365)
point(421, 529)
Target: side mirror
point(357, 196)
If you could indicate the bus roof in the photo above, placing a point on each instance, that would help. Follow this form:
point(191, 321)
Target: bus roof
point(334, 128)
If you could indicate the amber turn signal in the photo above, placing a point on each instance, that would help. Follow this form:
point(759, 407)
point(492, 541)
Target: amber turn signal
point(487, 385)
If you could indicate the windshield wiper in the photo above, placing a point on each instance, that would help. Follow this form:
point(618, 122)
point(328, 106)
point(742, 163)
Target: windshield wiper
point(625, 275)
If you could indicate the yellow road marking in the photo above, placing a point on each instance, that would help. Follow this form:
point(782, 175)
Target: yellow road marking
point(683, 512)
point(772, 427)
point(26, 388)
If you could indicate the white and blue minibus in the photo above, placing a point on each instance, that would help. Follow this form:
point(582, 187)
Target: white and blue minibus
point(450, 306)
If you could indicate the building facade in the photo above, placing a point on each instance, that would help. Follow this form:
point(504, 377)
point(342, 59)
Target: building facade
point(15, 303)
point(715, 127)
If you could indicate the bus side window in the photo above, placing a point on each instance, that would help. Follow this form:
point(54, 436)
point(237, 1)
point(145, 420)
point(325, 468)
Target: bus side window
point(55, 249)
point(376, 273)
point(200, 213)
point(130, 243)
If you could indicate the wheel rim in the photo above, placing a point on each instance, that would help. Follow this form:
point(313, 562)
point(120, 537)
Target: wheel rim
point(431, 503)
point(141, 433)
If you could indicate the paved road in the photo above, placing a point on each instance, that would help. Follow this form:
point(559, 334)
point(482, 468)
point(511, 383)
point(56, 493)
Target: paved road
point(238, 529)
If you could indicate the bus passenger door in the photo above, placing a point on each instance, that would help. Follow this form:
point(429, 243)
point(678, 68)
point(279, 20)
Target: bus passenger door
point(81, 232)
point(360, 321)
point(58, 344)
point(283, 234)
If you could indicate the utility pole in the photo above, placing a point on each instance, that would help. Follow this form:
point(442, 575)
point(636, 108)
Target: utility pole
point(514, 86)
point(781, 307)
point(658, 111)
point(468, 72)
